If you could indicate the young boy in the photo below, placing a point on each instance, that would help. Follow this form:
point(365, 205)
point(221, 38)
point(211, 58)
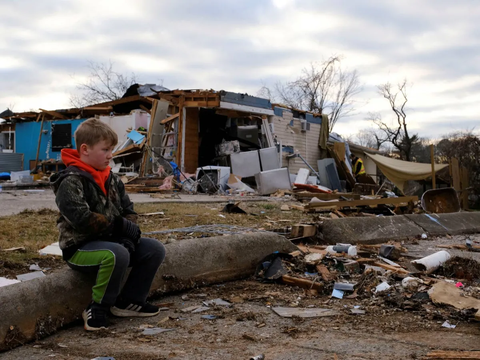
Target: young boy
point(98, 230)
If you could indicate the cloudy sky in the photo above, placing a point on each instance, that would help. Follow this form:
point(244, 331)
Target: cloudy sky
point(239, 46)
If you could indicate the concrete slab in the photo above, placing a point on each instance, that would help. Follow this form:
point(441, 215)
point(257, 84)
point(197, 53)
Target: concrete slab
point(369, 230)
point(15, 201)
point(451, 223)
point(37, 308)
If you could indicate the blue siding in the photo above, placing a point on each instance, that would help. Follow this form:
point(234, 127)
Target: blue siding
point(313, 119)
point(245, 99)
point(26, 138)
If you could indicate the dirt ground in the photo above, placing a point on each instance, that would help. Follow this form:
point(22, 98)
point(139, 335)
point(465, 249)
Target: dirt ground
point(249, 328)
point(396, 325)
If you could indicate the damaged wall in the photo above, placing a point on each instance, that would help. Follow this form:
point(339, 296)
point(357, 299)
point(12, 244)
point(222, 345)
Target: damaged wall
point(288, 130)
point(27, 139)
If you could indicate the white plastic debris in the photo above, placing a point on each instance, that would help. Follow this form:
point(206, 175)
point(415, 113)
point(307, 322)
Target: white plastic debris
point(6, 282)
point(424, 236)
point(411, 282)
point(52, 249)
point(447, 325)
point(432, 262)
point(382, 287)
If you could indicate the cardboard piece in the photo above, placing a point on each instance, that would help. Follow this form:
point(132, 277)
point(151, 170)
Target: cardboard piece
point(444, 293)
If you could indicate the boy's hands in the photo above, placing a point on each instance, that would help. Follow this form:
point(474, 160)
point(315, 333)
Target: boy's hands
point(127, 228)
point(131, 230)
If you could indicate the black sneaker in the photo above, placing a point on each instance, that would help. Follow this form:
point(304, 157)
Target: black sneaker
point(125, 308)
point(95, 317)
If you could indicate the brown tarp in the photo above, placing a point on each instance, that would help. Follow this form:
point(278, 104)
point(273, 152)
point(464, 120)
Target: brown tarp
point(399, 171)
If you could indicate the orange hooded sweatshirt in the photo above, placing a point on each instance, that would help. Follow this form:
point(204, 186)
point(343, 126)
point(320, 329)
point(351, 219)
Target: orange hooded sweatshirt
point(71, 157)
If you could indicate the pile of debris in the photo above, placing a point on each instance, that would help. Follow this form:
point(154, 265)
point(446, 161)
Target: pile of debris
point(380, 275)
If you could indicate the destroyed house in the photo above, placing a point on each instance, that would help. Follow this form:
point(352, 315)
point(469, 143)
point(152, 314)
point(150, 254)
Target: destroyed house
point(193, 128)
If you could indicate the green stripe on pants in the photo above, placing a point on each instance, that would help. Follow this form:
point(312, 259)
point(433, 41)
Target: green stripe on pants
point(105, 259)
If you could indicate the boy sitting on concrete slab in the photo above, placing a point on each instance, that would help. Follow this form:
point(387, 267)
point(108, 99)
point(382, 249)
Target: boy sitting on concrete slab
point(98, 230)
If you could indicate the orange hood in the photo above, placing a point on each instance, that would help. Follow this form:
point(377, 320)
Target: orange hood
point(71, 157)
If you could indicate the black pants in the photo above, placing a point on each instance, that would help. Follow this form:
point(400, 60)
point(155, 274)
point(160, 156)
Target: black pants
point(110, 261)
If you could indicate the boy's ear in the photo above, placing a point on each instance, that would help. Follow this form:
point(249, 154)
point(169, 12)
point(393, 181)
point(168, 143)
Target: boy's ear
point(83, 149)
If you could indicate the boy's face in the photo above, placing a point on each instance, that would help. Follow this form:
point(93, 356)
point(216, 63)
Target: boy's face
point(97, 156)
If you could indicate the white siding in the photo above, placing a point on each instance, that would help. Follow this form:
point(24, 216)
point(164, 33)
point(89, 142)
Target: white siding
point(304, 143)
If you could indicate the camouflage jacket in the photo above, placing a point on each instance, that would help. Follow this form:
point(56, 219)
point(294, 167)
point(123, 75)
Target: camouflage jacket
point(86, 213)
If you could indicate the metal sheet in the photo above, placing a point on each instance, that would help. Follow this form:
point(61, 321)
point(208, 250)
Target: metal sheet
point(322, 171)
point(272, 180)
point(269, 158)
point(333, 177)
point(11, 162)
point(245, 164)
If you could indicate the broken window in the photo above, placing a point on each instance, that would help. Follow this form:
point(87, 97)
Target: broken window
point(61, 136)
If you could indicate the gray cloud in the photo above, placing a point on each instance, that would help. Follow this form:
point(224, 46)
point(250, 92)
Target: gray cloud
point(216, 44)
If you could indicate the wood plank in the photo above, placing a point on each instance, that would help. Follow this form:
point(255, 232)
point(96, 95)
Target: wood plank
point(339, 149)
point(303, 283)
point(203, 103)
point(178, 155)
point(464, 185)
point(365, 202)
point(146, 153)
point(143, 107)
point(54, 114)
point(325, 273)
point(130, 148)
point(322, 196)
point(391, 268)
point(98, 108)
point(455, 169)
point(170, 118)
point(39, 142)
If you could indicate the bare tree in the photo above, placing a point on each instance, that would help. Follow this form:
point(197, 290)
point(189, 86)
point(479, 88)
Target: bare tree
point(371, 138)
point(465, 147)
point(103, 84)
point(324, 88)
point(398, 133)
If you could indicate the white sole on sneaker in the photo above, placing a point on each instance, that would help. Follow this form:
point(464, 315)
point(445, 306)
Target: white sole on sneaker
point(89, 328)
point(130, 313)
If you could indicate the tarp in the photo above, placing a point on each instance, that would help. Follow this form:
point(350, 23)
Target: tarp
point(399, 171)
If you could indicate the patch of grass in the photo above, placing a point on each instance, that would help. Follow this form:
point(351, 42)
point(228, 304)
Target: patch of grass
point(30, 229)
point(37, 229)
point(269, 206)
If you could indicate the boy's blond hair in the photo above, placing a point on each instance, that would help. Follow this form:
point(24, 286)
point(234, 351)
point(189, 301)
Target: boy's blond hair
point(92, 131)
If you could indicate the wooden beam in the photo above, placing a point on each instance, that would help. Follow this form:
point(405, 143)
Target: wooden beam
point(455, 172)
point(54, 114)
point(432, 159)
point(202, 103)
point(465, 187)
point(178, 155)
point(144, 108)
point(170, 118)
point(303, 283)
point(39, 142)
point(365, 202)
point(146, 152)
point(98, 108)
